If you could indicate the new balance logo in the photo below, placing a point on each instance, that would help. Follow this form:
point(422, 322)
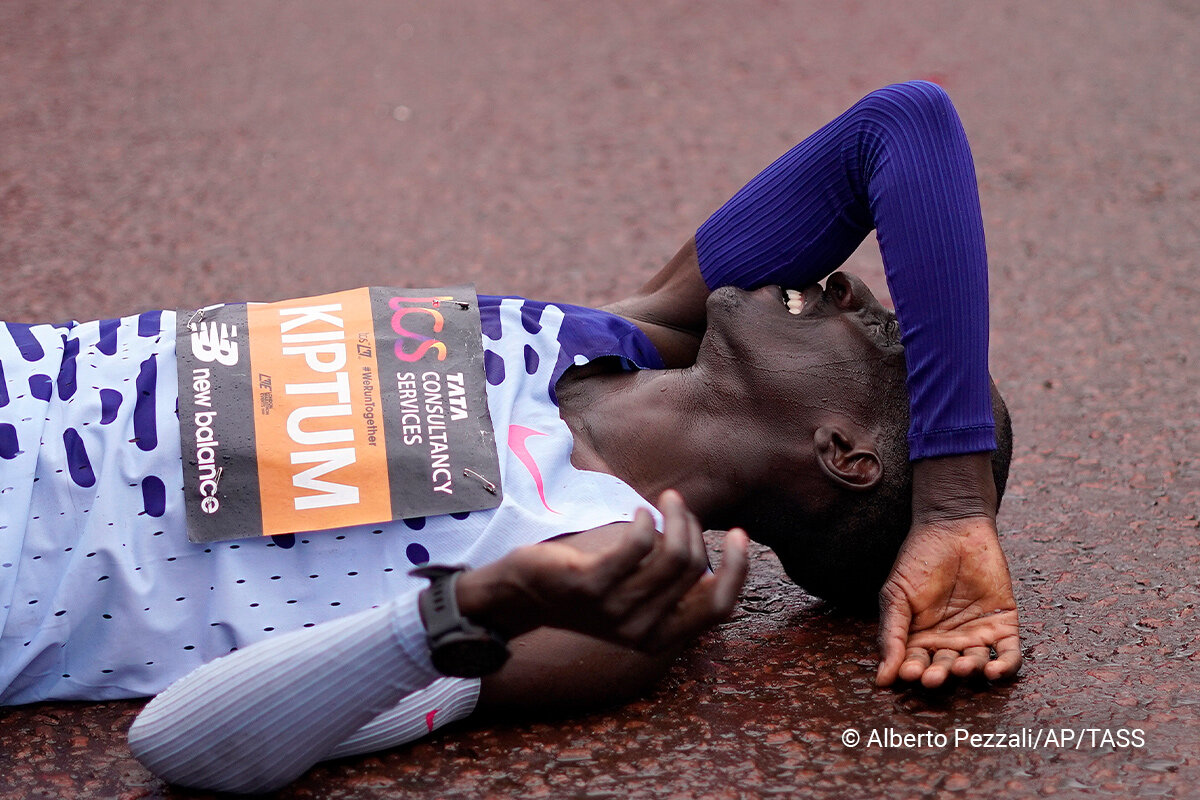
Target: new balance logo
point(211, 342)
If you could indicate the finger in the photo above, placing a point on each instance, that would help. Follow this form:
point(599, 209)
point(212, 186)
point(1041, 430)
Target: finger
point(678, 552)
point(641, 531)
point(696, 540)
point(958, 640)
point(688, 529)
point(894, 619)
point(1008, 659)
point(673, 569)
point(939, 669)
point(616, 563)
point(710, 600)
point(636, 602)
point(731, 575)
point(684, 524)
point(914, 665)
point(972, 661)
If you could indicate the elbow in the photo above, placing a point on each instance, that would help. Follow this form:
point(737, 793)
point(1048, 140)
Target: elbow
point(174, 753)
point(151, 745)
point(912, 109)
point(922, 98)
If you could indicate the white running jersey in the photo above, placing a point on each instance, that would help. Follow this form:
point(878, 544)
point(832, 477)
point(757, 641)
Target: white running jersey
point(101, 594)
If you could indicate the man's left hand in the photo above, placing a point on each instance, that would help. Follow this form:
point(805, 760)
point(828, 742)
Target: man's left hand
point(947, 604)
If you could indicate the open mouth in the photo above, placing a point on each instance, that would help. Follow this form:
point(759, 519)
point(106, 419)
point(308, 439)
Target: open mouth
point(794, 300)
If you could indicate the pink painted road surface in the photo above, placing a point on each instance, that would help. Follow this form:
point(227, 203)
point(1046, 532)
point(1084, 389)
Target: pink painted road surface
point(161, 155)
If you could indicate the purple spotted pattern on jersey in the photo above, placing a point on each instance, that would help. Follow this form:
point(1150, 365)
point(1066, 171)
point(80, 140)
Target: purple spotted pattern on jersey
point(108, 336)
point(144, 426)
point(149, 323)
point(154, 495)
point(27, 343)
point(493, 367)
point(417, 554)
point(110, 404)
point(41, 387)
point(77, 459)
point(67, 370)
point(584, 330)
point(9, 446)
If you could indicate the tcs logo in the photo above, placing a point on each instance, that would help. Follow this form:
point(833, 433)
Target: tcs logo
point(423, 344)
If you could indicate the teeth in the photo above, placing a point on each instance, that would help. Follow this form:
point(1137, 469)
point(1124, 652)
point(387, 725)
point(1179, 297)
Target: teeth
point(795, 301)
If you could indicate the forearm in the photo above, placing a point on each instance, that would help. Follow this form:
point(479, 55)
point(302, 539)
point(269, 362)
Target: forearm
point(260, 717)
point(553, 671)
point(899, 162)
point(444, 701)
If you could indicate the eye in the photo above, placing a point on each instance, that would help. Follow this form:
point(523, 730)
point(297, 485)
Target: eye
point(888, 328)
point(891, 331)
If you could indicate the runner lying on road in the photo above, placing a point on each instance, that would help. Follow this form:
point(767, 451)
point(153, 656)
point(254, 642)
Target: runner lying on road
point(753, 413)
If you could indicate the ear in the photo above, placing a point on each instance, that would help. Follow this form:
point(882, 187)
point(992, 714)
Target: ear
point(849, 460)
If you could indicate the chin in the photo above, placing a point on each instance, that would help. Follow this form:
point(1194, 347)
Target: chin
point(726, 309)
point(723, 299)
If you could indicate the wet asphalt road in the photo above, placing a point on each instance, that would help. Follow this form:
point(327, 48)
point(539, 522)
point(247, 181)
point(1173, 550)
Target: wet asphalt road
point(161, 156)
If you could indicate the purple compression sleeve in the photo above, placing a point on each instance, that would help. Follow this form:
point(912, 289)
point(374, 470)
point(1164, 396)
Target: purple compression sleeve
point(897, 161)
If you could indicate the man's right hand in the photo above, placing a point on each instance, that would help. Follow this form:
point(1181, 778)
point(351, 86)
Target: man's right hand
point(647, 592)
point(948, 602)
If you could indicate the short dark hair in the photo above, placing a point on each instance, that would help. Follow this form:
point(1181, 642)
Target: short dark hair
point(845, 553)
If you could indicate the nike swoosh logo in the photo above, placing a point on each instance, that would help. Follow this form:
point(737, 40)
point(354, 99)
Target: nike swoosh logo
point(517, 436)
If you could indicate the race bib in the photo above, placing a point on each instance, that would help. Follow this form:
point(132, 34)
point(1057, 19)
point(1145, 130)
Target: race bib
point(350, 408)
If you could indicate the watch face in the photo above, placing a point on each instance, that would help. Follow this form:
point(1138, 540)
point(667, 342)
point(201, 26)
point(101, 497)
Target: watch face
point(469, 656)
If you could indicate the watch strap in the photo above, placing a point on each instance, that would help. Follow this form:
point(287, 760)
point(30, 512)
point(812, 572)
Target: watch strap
point(457, 646)
point(439, 602)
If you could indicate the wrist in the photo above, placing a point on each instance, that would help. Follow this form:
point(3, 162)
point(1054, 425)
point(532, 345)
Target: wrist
point(950, 488)
point(458, 646)
point(489, 597)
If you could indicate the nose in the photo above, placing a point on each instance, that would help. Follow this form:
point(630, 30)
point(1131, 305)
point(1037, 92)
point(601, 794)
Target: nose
point(849, 293)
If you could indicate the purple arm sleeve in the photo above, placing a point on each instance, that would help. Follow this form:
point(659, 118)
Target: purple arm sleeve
point(898, 161)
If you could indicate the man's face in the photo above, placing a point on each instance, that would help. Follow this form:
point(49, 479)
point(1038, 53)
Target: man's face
point(828, 351)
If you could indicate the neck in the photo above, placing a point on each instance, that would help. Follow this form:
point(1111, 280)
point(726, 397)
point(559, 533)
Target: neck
point(655, 430)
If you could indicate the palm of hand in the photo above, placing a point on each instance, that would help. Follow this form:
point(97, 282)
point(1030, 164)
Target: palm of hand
point(947, 604)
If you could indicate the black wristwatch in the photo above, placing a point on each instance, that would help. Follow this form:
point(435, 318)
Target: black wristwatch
point(458, 646)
